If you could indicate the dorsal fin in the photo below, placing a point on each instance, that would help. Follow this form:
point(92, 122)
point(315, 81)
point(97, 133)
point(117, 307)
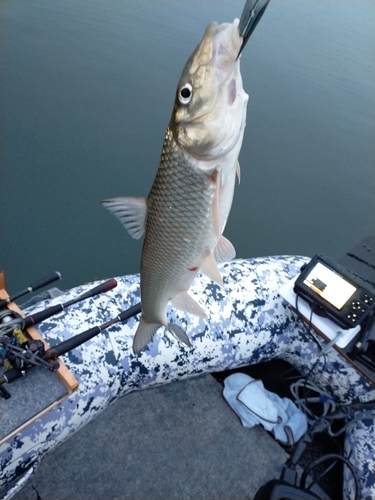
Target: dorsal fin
point(131, 212)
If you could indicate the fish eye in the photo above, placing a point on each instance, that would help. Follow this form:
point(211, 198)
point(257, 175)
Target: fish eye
point(185, 93)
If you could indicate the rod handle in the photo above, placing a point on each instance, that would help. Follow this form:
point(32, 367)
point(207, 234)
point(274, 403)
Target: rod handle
point(81, 338)
point(128, 313)
point(38, 284)
point(41, 316)
point(76, 341)
point(46, 280)
point(102, 288)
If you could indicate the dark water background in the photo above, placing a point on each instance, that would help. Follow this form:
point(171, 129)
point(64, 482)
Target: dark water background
point(87, 89)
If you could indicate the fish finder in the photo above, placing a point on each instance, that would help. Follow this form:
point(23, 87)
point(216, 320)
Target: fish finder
point(334, 292)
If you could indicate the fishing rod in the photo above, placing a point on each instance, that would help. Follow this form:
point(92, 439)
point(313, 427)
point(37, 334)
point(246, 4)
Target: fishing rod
point(19, 351)
point(47, 313)
point(38, 284)
point(34, 319)
point(68, 345)
point(35, 357)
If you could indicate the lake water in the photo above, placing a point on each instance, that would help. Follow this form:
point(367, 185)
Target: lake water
point(87, 90)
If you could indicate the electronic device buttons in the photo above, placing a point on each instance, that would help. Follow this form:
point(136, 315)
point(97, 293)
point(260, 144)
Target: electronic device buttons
point(356, 305)
point(367, 299)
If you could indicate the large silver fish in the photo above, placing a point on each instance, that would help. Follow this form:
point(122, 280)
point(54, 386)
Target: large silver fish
point(185, 213)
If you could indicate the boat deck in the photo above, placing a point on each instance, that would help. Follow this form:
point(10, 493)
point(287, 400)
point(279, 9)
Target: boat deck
point(177, 441)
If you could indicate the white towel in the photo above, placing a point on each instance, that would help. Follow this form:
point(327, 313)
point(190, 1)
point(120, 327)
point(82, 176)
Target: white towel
point(255, 405)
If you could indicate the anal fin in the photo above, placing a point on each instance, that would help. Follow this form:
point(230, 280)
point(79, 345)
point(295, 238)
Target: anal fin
point(185, 302)
point(210, 269)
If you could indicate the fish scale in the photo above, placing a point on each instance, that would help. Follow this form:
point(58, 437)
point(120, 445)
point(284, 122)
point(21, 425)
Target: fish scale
point(179, 209)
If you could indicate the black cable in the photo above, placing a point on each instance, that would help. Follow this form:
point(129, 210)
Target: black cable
point(310, 334)
point(324, 473)
point(308, 330)
point(333, 456)
point(320, 426)
point(330, 456)
point(293, 377)
point(301, 318)
point(37, 492)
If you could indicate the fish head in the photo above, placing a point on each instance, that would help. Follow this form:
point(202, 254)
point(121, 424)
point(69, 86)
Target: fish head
point(210, 107)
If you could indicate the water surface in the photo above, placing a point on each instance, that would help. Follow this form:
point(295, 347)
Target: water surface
point(87, 92)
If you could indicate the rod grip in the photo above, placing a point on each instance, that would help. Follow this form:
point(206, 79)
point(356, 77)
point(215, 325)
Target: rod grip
point(81, 338)
point(41, 316)
point(76, 341)
point(102, 288)
point(46, 280)
point(132, 311)
point(38, 284)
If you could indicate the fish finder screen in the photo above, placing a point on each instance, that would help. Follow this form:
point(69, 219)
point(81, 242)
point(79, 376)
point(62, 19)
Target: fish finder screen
point(329, 285)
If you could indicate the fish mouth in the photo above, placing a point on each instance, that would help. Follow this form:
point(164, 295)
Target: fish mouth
point(230, 43)
point(226, 44)
point(250, 17)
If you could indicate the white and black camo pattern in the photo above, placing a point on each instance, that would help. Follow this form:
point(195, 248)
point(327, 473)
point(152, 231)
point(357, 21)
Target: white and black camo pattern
point(248, 322)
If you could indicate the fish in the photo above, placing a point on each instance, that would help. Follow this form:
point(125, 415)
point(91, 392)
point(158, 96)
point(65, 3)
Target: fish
point(184, 215)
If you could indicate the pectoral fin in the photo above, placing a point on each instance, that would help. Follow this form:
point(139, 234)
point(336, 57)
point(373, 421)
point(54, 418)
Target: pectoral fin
point(210, 269)
point(185, 302)
point(131, 212)
point(238, 172)
point(224, 250)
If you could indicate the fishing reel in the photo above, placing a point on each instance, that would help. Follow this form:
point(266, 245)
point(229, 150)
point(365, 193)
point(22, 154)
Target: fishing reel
point(9, 321)
point(19, 350)
point(20, 353)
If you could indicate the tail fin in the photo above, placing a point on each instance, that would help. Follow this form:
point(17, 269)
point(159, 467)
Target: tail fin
point(144, 334)
point(179, 333)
